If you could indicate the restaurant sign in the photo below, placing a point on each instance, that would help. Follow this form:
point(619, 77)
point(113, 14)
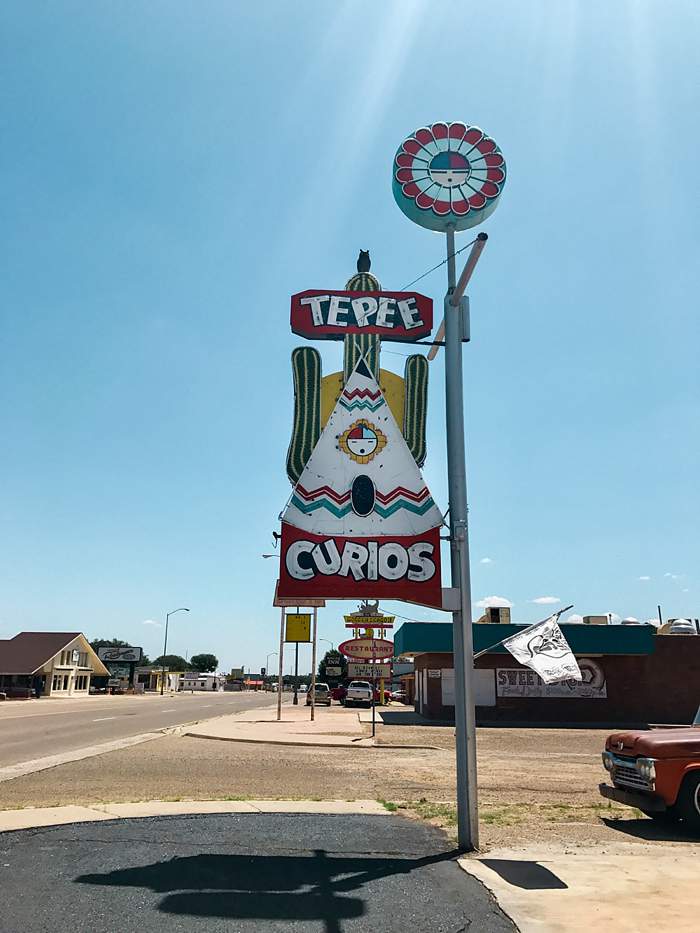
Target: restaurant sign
point(332, 315)
point(367, 649)
point(369, 671)
point(357, 621)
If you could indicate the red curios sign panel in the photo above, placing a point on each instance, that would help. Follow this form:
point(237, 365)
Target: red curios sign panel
point(404, 567)
point(331, 315)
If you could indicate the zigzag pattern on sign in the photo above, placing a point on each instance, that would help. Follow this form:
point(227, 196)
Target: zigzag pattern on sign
point(338, 504)
point(362, 404)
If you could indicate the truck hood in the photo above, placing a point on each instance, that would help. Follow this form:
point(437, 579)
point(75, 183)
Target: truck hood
point(656, 743)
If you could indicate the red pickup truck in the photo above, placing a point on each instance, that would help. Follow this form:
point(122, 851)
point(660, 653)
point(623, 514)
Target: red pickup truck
point(657, 771)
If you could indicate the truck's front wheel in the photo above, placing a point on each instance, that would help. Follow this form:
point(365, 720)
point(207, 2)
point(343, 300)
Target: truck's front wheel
point(689, 801)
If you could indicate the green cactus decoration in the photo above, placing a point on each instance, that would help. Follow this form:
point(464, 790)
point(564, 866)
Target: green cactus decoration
point(416, 406)
point(306, 368)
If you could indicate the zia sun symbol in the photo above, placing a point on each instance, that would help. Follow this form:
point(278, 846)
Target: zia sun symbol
point(448, 173)
point(362, 441)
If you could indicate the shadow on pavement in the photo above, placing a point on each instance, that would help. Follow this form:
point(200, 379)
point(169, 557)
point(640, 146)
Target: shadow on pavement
point(308, 887)
point(525, 874)
point(398, 717)
point(653, 830)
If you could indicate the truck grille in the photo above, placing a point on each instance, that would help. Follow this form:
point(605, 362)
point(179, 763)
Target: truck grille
point(627, 775)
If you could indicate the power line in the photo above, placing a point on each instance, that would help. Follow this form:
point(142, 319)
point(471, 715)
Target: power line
point(444, 261)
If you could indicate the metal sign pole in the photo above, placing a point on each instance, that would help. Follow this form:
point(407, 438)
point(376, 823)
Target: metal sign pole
point(295, 699)
point(465, 722)
point(280, 674)
point(313, 665)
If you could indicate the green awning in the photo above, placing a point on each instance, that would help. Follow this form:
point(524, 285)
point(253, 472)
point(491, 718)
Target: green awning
point(436, 637)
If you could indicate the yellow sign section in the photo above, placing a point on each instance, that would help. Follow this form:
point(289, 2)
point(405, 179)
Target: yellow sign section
point(298, 626)
point(370, 621)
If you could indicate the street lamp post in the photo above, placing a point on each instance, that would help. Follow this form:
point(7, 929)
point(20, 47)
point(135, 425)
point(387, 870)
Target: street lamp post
point(328, 643)
point(165, 645)
point(272, 654)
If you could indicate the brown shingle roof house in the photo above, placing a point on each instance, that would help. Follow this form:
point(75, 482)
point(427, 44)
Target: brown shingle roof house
point(49, 663)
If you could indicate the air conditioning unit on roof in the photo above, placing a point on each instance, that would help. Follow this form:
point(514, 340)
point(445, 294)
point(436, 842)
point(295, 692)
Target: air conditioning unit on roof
point(595, 620)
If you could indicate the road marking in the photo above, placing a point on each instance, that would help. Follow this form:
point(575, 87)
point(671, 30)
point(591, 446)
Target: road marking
point(206, 706)
point(104, 719)
point(172, 710)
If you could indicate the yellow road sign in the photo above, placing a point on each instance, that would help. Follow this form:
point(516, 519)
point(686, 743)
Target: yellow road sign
point(298, 626)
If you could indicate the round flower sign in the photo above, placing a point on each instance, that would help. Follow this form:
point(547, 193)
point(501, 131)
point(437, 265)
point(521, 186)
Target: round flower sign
point(448, 173)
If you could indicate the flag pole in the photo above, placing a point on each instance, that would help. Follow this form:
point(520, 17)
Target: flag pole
point(523, 632)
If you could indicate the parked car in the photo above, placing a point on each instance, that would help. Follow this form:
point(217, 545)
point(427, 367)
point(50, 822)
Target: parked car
point(657, 771)
point(321, 694)
point(399, 696)
point(359, 693)
point(302, 688)
point(338, 693)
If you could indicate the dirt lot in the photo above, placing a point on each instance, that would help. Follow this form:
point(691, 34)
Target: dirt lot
point(538, 783)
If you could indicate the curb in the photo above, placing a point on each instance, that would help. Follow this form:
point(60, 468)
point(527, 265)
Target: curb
point(353, 744)
point(45, 817)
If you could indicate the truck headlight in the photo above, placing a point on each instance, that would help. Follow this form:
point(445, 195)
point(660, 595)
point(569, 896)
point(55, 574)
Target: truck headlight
point(646, 768)
point(607, 761)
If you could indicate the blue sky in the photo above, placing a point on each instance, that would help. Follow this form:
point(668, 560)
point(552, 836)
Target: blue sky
point(172, 172)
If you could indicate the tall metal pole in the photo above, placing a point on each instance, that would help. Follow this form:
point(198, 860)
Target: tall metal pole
point(165, 649)
point(295, 700)
point(280, 674)
point(467, 805)
point(165, 644)
point(313, 666)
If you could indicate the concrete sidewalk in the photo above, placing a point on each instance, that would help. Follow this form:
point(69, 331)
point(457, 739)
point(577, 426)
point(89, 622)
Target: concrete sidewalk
point(333, 726)
point(622, 887)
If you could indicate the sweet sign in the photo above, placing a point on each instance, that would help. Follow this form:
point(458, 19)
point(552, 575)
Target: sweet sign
point(332, 315)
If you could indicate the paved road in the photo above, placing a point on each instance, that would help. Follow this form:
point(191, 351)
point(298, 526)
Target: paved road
point(36, 728)
point(240, 873)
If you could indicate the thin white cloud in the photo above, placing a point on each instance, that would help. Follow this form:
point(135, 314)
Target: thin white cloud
point(644, 577)
point(685, 590)
point(499, 602)
point(486, 560)
point(673, 576)
point(151, 622)
point(546, 600)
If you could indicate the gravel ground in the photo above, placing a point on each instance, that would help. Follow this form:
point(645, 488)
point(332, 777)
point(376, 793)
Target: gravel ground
point(532, 782)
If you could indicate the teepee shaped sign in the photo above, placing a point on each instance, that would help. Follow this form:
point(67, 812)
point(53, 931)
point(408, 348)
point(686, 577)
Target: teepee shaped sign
point(361, 522)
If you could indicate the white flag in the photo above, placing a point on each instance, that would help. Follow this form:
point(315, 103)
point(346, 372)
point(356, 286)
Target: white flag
point(543, 648)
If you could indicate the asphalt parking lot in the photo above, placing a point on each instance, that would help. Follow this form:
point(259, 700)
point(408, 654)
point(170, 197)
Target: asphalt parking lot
point(240, 872)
